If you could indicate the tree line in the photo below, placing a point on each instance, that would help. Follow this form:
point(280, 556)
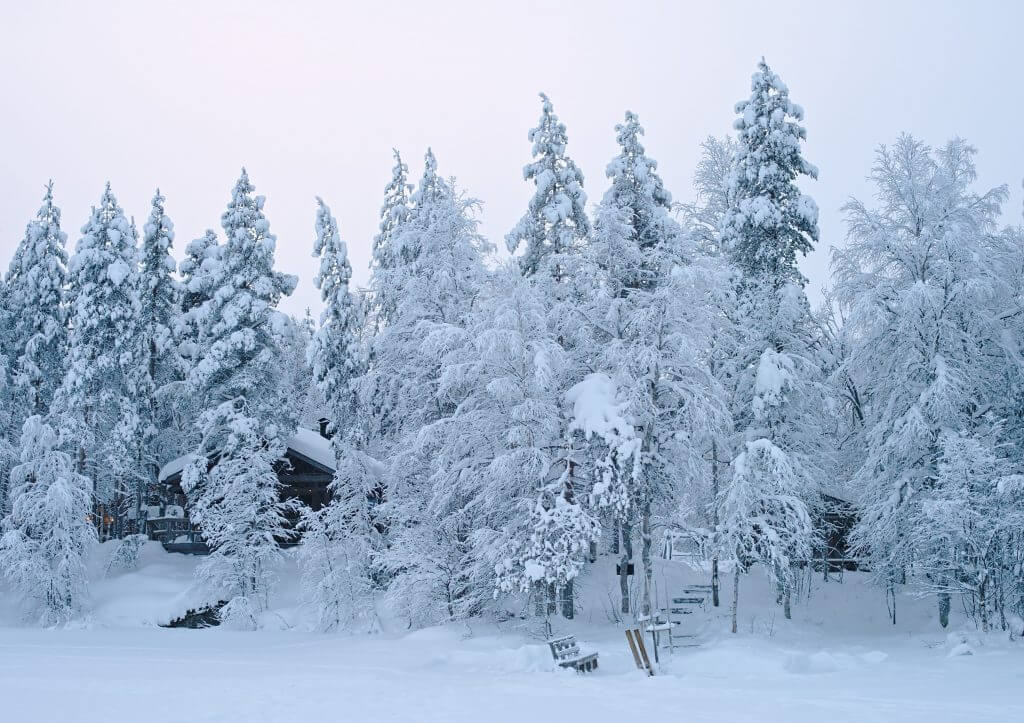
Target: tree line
point(635, 370)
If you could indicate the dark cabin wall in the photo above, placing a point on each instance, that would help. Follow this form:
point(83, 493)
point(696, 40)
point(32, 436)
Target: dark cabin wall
point(301, 479)
point(836, 523)
point(304, 480)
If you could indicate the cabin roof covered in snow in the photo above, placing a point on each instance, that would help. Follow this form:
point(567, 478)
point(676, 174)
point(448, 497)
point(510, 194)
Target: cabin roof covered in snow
point(305, 442)
point(310, 444)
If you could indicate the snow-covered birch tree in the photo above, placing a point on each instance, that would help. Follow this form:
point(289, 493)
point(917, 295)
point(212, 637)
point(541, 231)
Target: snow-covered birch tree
point(924, 284)
point(439, 290)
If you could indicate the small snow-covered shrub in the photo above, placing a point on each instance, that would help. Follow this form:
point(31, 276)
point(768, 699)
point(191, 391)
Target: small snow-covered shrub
point(125, 555)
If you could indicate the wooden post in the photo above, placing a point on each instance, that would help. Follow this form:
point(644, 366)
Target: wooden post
point(643, 650)
point(624, 560)
point(654, 642)
point(632, 648)
point(735, 594)
point(568, 603)
point(714, 493)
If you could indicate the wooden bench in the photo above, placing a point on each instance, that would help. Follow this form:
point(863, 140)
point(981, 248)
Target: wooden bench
point(567, 654)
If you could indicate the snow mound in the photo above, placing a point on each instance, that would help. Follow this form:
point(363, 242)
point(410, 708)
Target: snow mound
point(158, 590)
point(960, 643)
point(819, 662)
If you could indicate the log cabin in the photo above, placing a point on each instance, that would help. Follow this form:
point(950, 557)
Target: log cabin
point(305, 474)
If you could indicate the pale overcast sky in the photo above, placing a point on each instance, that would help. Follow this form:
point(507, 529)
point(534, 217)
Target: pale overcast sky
point(311, 97)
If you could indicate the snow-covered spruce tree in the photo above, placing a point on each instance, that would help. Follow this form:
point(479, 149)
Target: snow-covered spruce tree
point(553, 231)
point(194, 291)
point(652, 326)
point(556, 219)
point(769, 221)
point(6, 321)
point(105, 381)
point(33, 330)
point(246, 420)
point(390, 269)
point(36, 298)
point(159, 296)
point(923, 279)
point(47, 536)
point(335, 557)
point(388, 258)
point(777, 391)
point(9, 409)
point(197, 269)
point(9, 403)
point(160, 293)
point(336, 353)
point(307, 399)
point(439, 291)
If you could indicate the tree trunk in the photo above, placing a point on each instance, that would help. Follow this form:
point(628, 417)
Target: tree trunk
point(944, 609)
point(645, 555)
point(714, 581)
point(983, 603)
point(567, 600)
point(787, 596)
point(593, 551)
point(627, 555)
point(735, 595)
point(714, 507)
point(552, 607)
point(615, 537)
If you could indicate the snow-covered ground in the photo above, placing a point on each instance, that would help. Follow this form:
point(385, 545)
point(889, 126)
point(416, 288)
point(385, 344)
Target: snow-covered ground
point(838, 660)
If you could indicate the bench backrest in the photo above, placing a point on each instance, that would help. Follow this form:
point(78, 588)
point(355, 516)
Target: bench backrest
point(564, 648)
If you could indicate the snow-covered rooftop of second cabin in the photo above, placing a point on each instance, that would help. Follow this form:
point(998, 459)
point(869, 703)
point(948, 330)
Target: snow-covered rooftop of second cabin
point(306, 442)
